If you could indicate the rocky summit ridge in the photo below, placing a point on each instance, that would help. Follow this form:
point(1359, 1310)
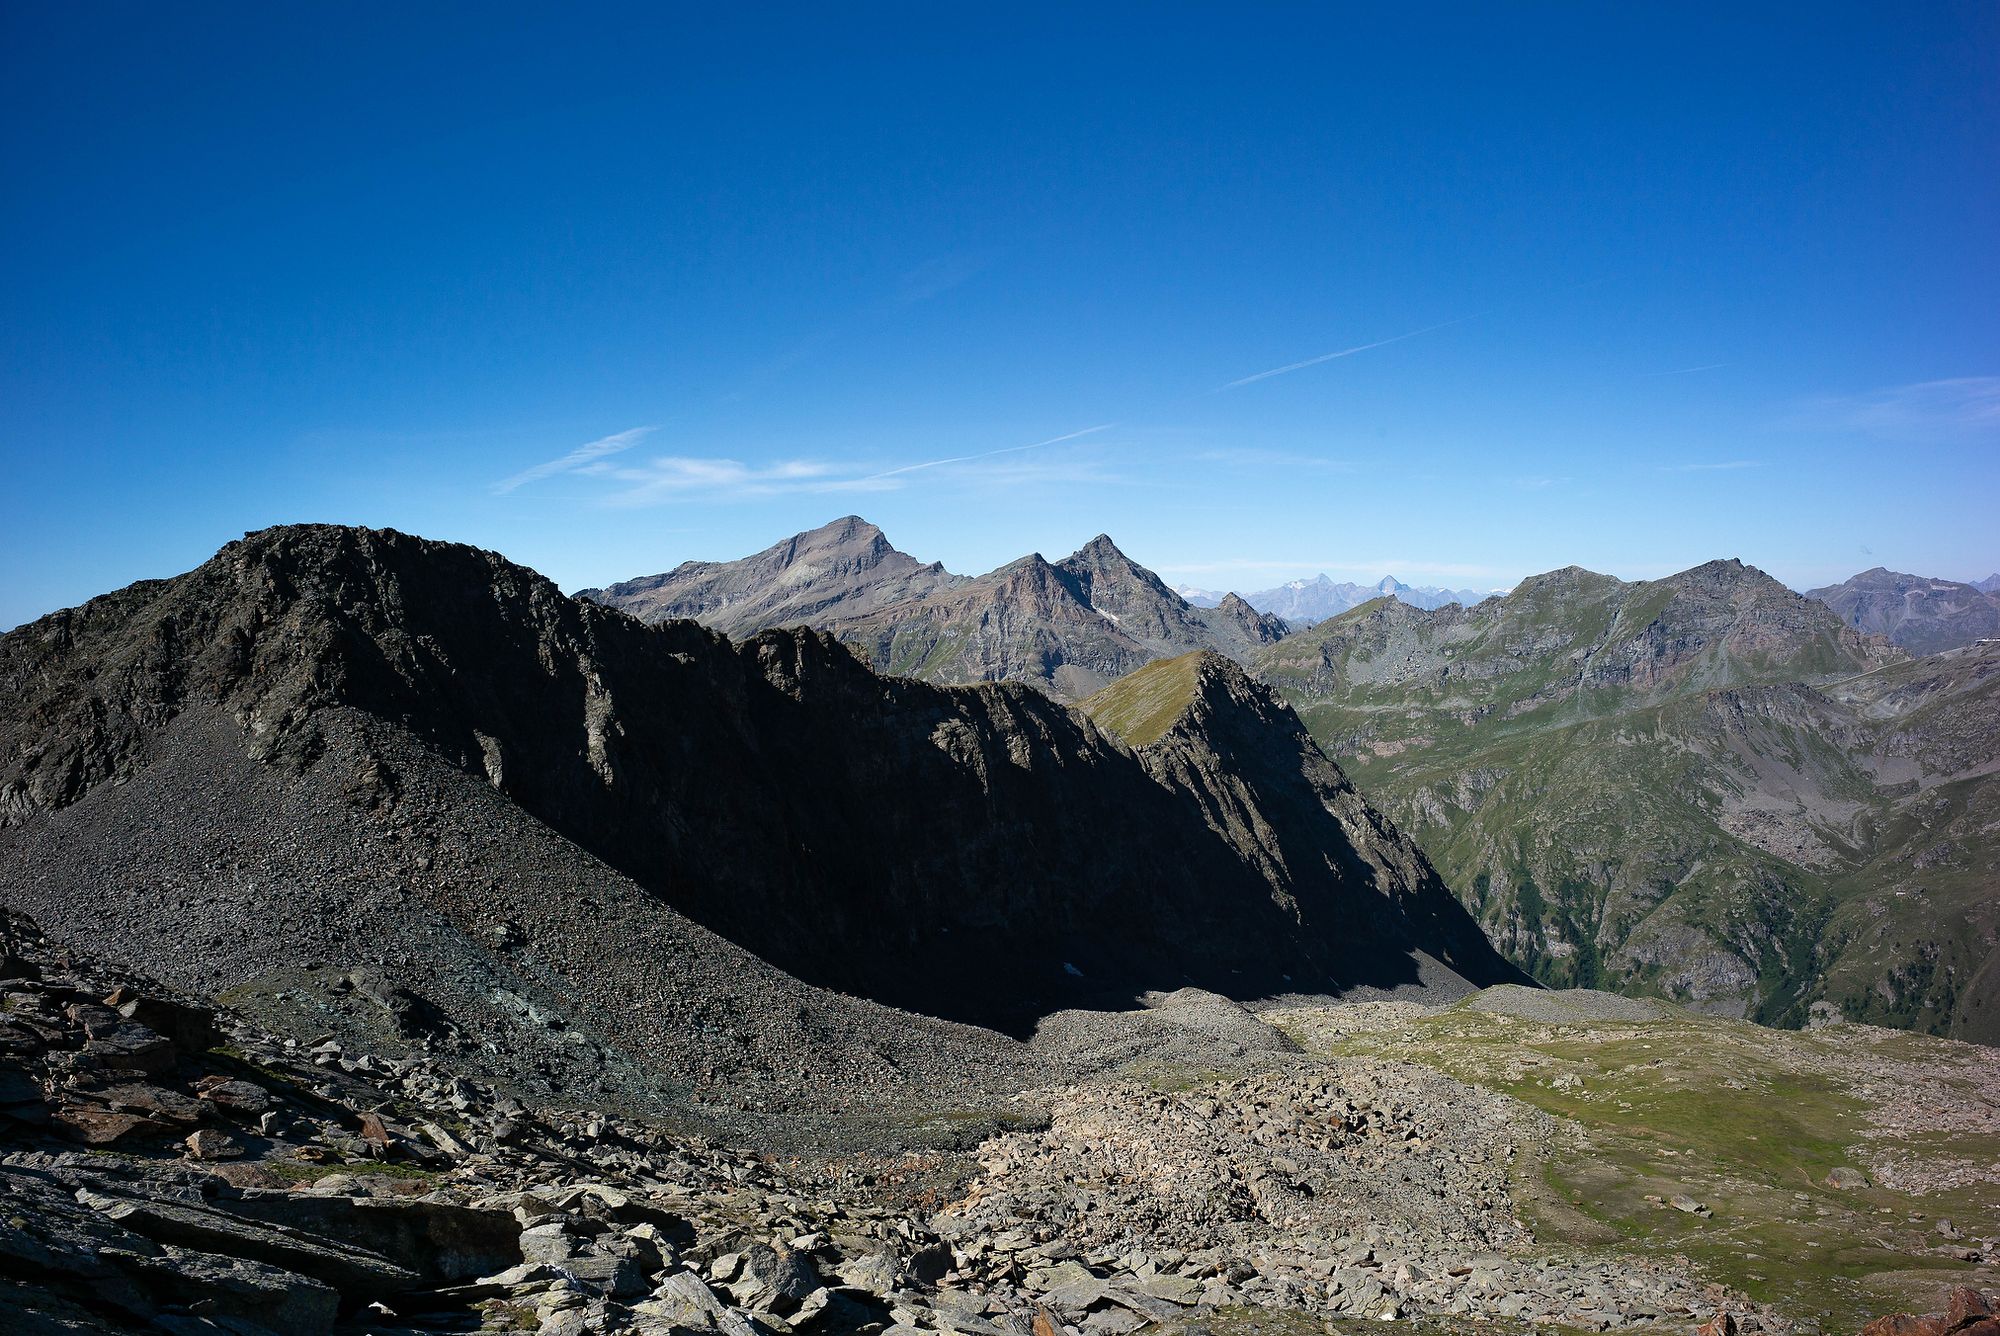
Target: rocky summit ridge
point(646, 858)
point(1067, 627)
point(844, 567)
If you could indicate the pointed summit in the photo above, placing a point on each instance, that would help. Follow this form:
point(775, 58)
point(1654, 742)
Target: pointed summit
point(845, 567)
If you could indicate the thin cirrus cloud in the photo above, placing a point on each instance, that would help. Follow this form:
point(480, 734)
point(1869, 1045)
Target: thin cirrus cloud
point(1290, 367)
point(1962, 408)
point(669, 478)
point(903, 469)
point(1721, 466)
point(576, 461)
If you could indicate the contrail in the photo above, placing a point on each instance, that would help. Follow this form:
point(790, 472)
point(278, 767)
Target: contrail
point(1344, 352)
point(988, 454)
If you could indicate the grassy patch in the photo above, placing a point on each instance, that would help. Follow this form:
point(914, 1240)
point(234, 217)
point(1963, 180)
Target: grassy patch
point(1142, 705)
point(1745, 1121)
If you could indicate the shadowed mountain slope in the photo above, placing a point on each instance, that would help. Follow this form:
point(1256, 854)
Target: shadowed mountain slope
point(334, 748)
point(1921, 615)
point(1205, 728)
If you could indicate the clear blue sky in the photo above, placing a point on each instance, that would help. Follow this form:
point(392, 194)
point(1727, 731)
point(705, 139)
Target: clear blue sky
point(607, 289)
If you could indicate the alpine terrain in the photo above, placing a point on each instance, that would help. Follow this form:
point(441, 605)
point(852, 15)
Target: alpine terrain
point(1923, 616)
point(1068, 627)
point(392, 944)
point(1303, 602)
point(1706, 787)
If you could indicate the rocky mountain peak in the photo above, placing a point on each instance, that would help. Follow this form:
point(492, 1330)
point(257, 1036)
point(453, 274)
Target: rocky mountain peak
point(1914, 612)
point(406, 731)
point(846, 567)
point(1101, 560)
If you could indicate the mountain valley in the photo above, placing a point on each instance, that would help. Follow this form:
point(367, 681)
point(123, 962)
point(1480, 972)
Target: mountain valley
point(1706, 787)
point(397, 945)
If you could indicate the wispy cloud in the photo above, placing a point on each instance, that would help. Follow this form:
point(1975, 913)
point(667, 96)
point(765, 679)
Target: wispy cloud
point(684, 477)
point(576, 460)
point(1718, 467)
point(669, 478)
point(937, 276)
point(1290, 367)
point(902, 469)
point(1689, 370)
point(1536, 484)
point(1928, 412)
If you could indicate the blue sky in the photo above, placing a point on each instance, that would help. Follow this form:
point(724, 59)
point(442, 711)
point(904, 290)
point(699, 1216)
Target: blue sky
point(1628, 286)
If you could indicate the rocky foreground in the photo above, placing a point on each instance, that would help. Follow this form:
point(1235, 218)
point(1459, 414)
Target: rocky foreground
point(174, 1168)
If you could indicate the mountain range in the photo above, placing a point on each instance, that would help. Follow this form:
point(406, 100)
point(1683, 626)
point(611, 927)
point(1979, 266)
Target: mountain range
point(1303, 602)
point(1922, 615)
point(1706, 786)
point(1069, 627)
point(656, 864)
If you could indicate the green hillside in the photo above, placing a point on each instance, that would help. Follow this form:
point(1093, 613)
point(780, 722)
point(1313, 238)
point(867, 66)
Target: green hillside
point(1704, 787)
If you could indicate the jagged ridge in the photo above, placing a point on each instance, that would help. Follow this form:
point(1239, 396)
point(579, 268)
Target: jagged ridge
point(974, 853)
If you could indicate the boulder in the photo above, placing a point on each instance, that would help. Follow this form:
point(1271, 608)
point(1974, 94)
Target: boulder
point(235, 1098)
point(774, 1279)
point(192, 1029)
point(102, 1127)
point(128, 1047)
point(441, 1242)
point(209, 1144)
point(349, 1269)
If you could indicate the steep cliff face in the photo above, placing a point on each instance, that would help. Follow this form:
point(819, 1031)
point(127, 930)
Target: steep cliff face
point(976, 853)
point(1205, 729)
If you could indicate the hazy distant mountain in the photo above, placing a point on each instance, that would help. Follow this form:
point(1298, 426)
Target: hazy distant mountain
point(1068, 627)
point(1208, 598)
point(1922, 615)
point(843, 568)
point(1990, 585)
point(1303, 602)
